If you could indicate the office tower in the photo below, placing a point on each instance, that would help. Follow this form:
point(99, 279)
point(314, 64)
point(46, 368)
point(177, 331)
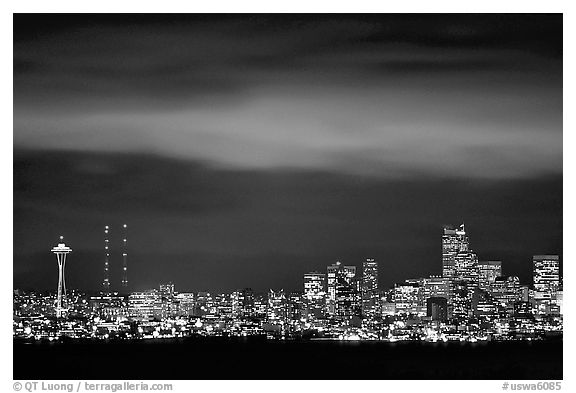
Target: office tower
point(437, 308)
point(370, 297)
point(334, 272)
point(61, 251)
point(407, 298)
point(546, 276)
point(124, 256)
point(314, 295)
point(276, 311)
point(145, 305)
point(487, 273)
point(106, 281)
point(348, 300)
point(454, 240)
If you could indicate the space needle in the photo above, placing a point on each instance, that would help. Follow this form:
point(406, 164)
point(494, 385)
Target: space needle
point(61, 250)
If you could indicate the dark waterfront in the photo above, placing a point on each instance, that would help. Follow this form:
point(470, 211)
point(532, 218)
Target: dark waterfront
point(261, 359)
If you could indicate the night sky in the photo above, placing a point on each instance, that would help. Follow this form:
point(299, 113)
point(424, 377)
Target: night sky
point(245, 151)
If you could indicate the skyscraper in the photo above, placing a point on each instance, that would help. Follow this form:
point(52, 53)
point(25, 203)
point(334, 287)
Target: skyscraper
point(276, 312)
point(335, 271)
point(546, 280)
point(370, 298)
point(348, 300)
point(454, 240)
point(314, 294)
point(168, 303)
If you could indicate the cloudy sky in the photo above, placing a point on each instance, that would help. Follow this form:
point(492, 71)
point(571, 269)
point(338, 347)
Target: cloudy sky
point(244, 151)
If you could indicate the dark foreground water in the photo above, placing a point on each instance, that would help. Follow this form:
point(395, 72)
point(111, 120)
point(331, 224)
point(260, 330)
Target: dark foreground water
point(255, 359)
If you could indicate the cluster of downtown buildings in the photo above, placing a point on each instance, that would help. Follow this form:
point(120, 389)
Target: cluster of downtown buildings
point(470, 301)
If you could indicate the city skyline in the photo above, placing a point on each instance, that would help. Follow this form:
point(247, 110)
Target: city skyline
point(471, 301)
point(288, 197)
point(456, 256)
point(120, 284)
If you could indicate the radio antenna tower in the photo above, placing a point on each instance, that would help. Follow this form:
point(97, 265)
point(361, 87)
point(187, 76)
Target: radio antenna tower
point(106, 282)
point(61, 251)
point(124, 256)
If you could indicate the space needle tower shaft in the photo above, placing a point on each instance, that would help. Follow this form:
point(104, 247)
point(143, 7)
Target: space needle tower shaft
point(61, 251)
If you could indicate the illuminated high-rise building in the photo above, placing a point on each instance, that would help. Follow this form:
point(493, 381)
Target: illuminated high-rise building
point(546, 281)
point(454, 240)
point(546, 276)
point(348, 299)
point(369, 288)
point(61, 251)
point(314, 298)
point(277, 310)
point(334, 272)
point(487, 273)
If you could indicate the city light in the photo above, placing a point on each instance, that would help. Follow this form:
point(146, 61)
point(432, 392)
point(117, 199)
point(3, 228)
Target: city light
point(470, 301)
